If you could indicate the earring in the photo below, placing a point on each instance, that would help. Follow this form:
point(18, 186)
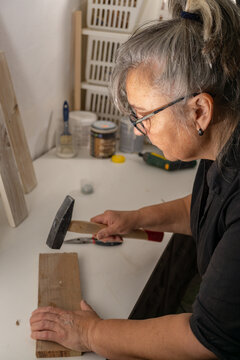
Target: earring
point(200, 132)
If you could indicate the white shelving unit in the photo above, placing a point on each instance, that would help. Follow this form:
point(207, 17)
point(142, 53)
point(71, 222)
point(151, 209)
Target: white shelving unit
point(110, 23)
point(113, 15)
point(101, 48)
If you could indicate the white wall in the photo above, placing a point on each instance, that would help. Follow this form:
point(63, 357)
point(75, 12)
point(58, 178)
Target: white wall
point(153, 10)
point(36, 38)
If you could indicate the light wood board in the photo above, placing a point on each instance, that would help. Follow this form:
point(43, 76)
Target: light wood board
point(59, 286)
point(10, 186)
point(15, 128)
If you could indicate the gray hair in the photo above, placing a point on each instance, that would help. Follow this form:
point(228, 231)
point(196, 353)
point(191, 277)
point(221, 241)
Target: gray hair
point(192, 56)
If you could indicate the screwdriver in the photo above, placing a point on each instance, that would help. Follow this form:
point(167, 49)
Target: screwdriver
point(160, 161)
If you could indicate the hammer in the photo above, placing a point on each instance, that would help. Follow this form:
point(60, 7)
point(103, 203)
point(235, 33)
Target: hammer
point(63, 223)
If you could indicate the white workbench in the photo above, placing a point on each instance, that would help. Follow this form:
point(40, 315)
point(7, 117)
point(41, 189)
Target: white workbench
point(112, 278)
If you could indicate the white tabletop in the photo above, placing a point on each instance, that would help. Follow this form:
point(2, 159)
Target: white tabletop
point(112, 278)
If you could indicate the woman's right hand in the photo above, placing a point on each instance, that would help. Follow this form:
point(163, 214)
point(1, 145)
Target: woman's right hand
point(118, 223)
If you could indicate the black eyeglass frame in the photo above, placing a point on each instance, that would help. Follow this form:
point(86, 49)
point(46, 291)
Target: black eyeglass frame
point(137, 121)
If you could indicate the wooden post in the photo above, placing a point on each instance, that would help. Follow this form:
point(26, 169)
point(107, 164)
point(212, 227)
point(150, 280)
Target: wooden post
point(15, 128)
point(77, 59)
point(10, 185)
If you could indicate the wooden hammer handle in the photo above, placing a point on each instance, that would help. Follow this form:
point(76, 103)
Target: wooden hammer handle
point(85, 227)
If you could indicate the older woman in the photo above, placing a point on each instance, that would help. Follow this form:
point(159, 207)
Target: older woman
point(180, 82)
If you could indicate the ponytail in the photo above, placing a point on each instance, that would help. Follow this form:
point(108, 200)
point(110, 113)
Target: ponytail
point(188, 56)
point(221, 32)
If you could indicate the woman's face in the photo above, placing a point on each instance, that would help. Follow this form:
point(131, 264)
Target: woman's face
point(163, 129)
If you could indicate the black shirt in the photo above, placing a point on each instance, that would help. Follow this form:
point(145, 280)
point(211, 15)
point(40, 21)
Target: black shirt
point(215, 224)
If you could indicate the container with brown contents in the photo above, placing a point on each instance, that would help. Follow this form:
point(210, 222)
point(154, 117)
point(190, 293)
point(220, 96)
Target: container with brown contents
point(103, 139)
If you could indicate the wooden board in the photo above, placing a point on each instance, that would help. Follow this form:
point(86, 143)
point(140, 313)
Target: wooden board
point(15, 128)
point(10, 186)
point(77, 59)
point(59, 286)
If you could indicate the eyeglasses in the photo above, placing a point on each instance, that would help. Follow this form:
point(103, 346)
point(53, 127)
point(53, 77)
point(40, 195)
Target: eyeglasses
point(138, 123)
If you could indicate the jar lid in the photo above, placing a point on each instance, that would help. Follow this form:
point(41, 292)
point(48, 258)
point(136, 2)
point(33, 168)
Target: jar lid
point(104, 126)
point(118, 158)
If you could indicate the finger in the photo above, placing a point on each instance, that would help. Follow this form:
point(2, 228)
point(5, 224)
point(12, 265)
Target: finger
point(44, 335)
point(43, 315)
point(107, 239)
point(49, 309)
point(106, 233)
point(112, 239)
point(99, 219)
point(85, 306)
point(117, 238)
point(43, 325)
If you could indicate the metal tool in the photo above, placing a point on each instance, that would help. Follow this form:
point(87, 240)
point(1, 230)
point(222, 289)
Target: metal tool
point(160, 161)
point(91, 240)
point(62, 223)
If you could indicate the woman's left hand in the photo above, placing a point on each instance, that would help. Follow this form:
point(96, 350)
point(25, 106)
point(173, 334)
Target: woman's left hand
point(71, 329)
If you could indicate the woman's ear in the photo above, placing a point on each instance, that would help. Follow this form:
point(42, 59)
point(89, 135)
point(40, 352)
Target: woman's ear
point(202, 110)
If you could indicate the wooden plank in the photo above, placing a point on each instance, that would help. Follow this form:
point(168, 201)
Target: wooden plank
point(15, 128)
point(59, 286)
point(77, 59)
point(10, 186)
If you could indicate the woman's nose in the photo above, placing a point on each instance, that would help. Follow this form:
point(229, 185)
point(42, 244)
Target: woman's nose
point(137, 132)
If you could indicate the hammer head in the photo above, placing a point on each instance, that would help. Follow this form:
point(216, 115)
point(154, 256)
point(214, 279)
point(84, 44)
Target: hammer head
point(61, 223)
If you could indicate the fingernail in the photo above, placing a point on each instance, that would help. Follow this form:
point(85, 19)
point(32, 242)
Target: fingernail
point(100, 236)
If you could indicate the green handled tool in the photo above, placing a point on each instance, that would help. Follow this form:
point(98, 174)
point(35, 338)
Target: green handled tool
point(160, 161)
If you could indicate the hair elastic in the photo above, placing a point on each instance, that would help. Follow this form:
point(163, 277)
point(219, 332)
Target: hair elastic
point(190, 16)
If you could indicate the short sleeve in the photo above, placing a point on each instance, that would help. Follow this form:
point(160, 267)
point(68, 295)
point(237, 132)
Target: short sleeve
point(216, 312)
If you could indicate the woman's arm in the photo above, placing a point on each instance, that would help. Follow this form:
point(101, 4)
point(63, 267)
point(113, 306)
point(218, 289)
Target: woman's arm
point(172, 216)
point(168, 337)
